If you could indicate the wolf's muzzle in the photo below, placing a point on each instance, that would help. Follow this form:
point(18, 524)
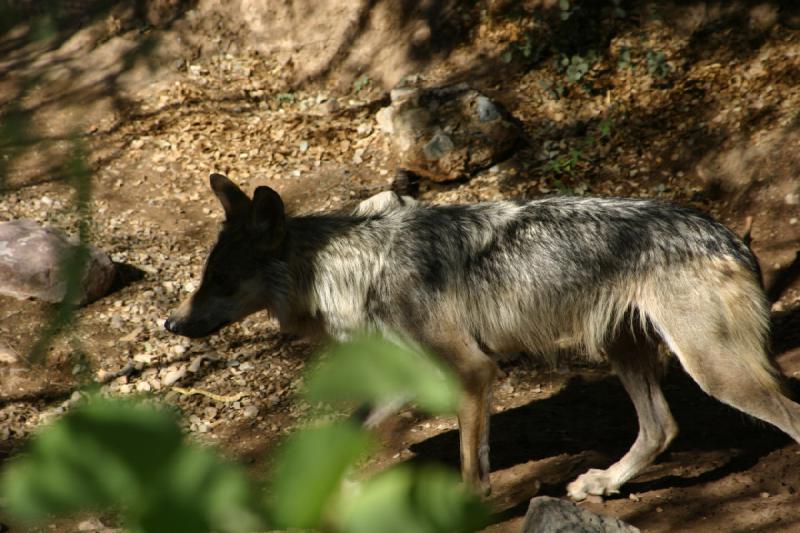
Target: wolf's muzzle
point(171, 325)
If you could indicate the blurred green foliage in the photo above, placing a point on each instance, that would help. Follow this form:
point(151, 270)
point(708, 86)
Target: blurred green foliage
point(375, 371)
point(309, 471)
point(127, 456)
point(73, 264)
point(132, 458)
point(429, 499)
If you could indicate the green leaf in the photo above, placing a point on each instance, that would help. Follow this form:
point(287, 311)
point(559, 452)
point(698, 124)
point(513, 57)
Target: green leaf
point(401, 500)
point(130, 457)
point(201, 493)
point(104, 453)
point(605, 127)
point(372, 369)
point(440, 496)
point(309, 470)
point(360, 83)
point(383, 504)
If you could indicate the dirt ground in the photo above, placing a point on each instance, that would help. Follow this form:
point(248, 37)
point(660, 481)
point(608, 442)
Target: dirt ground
point(695, 102)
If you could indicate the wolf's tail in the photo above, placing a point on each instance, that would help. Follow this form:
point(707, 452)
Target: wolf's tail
point(715, 319)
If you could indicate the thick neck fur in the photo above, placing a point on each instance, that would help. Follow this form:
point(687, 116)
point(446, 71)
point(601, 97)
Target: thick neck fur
point(327, 274)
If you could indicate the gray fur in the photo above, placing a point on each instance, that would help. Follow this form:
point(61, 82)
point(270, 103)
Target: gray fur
point(601, 276)
point(492, 267)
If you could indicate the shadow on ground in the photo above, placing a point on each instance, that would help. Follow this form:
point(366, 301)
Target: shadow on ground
point(592, 423)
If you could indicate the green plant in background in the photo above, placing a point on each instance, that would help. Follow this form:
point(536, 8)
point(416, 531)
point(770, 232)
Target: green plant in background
point(361, 83)
point(624, 59)
point(286, 98)
point(528, 48)
point(567, 9)
point(563, 163)
point(655, 61)
point(576, 67)
point(132, 458)
point(618, 11)
point(554, 90)
point(657, 64)
point(605, 127)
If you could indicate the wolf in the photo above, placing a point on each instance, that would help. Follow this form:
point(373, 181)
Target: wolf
point(608, 278)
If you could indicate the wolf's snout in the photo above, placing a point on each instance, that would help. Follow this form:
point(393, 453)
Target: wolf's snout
point(171, 325)
point(193, 326)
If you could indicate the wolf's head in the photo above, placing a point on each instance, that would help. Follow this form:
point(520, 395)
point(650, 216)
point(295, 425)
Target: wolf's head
point(243, 269)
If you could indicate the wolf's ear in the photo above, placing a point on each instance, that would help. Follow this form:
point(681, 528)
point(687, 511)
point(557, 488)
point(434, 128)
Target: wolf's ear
point(268, 214)
point(235, 202)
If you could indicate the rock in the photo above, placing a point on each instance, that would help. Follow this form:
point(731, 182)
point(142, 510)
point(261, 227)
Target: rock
point(447, 133)
point(251, 411)
point(93, 525)
point(160, 13)
point(30, 259)
point(8, 356)
point(196, 363)
point(173, 376)
point(329, 107)
point(553, 515)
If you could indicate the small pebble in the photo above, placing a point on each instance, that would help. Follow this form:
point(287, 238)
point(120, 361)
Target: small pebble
point(196, 363)
point(173, 376)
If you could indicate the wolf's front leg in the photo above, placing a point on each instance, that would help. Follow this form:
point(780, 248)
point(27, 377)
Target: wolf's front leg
point(473, 423)
point(477, 372)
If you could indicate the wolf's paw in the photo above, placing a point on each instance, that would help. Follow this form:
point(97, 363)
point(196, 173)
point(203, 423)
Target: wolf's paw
point(595, 482)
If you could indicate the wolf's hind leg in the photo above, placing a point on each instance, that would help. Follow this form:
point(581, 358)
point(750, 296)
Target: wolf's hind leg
point(635, 361)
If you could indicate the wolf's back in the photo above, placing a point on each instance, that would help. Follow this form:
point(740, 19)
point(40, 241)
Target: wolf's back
point(567, 270)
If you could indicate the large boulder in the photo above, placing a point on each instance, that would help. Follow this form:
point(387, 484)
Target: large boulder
point(553, 515)
point(30, 262)
point(447, 133)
